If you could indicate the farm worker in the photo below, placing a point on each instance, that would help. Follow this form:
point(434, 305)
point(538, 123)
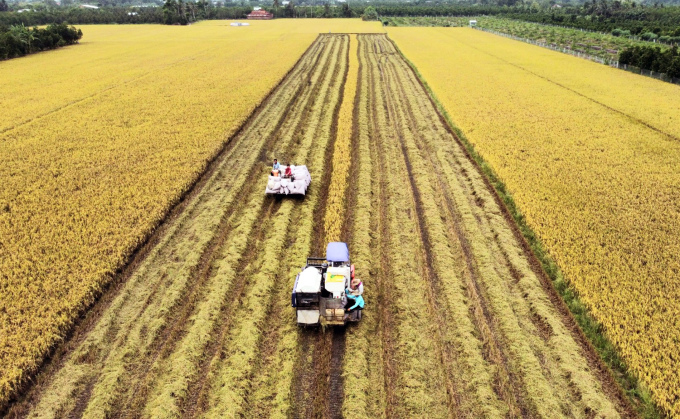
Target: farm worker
point(288, 172)
point(354, 302)
point(276, 165)
point(356, 287)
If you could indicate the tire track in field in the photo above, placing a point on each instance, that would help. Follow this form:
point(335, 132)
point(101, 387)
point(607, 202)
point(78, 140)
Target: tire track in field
point(164, 344)
point(195, 404)
point(385, 298)
point(516, 271)
point(523, 304)
point(509, 384)
point(169, 341)
point(529, 361)
point(311, 385)
point(315, 97)
point(390, 83)
point(193, 210)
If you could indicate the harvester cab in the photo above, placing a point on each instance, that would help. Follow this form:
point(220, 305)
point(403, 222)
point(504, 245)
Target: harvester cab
point(319, 291)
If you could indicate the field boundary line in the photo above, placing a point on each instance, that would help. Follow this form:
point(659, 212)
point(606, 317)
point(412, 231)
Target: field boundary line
point(31, 386)
point(631, 395)
point(628, 116)
point(100, 92)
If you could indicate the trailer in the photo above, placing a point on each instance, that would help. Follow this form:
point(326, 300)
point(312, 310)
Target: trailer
point(295, 184)
point(319, 292)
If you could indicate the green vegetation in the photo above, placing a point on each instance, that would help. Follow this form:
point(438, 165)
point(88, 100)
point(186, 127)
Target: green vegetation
point(654, 59)
point(18, 40)
point(599, 16)
point(191, 11)
point(603, 45)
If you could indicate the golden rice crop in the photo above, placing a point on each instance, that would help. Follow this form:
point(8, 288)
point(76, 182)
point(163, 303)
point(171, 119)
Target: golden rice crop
point(341, 155)
point(590, 154)
point(96, 150)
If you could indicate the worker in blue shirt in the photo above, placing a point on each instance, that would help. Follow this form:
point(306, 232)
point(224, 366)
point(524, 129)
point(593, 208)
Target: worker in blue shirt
point(276, 165)
point(354, 301)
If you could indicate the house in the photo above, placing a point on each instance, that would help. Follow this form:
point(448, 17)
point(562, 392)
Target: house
point(260, 15)
point(473, 23)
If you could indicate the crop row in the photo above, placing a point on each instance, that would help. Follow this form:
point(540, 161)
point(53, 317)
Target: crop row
point(603, 45)
point(595, 176)
point(464, 322)
point(341, 154)
point(162, 346)
point(87, 177)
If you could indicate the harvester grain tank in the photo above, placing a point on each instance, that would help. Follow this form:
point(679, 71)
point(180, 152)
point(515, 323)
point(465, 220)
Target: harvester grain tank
point(319, 291)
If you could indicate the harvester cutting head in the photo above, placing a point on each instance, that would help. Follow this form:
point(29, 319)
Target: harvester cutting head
point(319, 294)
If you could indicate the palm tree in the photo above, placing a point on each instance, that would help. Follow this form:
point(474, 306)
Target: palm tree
point(23, 35)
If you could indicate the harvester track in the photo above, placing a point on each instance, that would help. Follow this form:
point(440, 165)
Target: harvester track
point(122, 364)
point(488, 337)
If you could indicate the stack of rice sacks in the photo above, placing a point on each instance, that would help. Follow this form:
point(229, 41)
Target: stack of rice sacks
point(279, 185)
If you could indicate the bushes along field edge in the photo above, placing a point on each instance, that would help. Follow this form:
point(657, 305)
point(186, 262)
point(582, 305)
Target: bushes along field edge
point(19, 40)
point(638, 395)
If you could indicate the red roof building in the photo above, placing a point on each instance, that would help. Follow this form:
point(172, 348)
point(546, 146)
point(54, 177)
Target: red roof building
point(260, 14)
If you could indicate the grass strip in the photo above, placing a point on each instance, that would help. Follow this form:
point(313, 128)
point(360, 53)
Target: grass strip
point(637, 393)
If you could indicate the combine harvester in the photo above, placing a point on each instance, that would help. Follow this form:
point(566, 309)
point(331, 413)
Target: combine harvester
point(319, 290)
point(296, 184)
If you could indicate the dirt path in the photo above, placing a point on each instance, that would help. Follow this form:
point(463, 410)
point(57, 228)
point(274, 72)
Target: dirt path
point(460, 321)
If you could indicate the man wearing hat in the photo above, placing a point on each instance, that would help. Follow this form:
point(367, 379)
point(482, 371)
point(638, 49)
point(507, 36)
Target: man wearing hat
point(355, 300)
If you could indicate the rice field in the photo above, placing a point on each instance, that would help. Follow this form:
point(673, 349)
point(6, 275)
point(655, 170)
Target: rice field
point(156, 274)
point(96, 151)
point(590, 155)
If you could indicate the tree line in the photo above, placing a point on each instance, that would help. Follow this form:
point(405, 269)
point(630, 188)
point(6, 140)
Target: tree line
point(653, 58)
point(184, 12)
point(595, 15)
point(612, 16)
point(19, 40)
